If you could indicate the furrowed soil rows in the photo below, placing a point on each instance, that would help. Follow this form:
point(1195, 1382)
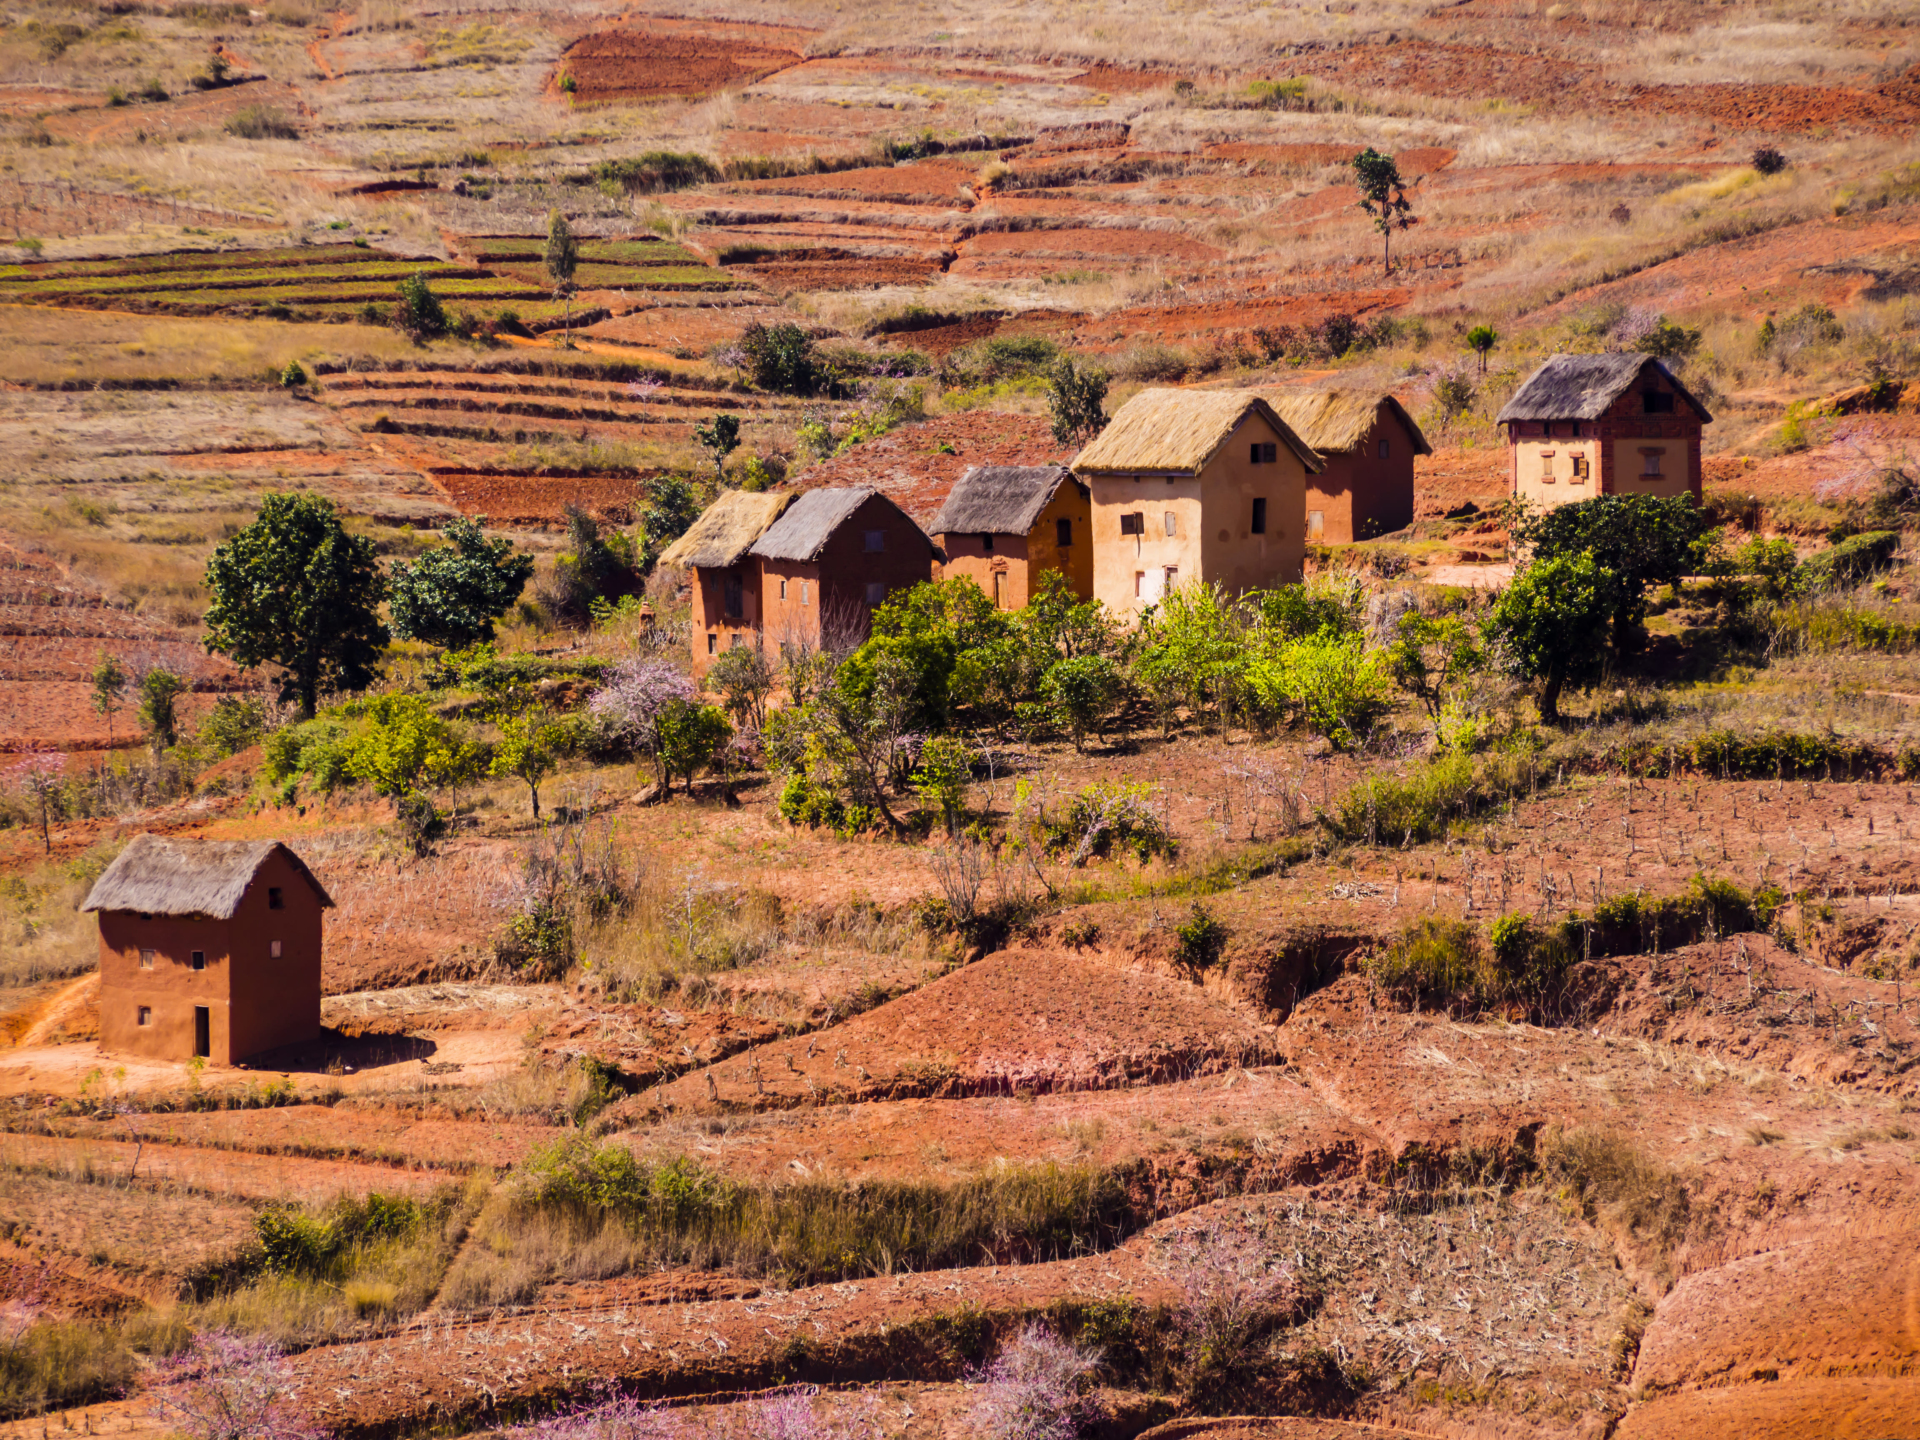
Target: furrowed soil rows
point(653, 62)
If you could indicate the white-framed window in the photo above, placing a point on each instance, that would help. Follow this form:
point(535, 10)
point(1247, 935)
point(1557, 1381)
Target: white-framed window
point(1546, 464)
point(876, 541)
point(146, 958)
point(1173, 523)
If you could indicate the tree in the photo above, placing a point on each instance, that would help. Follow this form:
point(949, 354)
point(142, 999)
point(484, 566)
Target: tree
point(395, 753)
point(632, 703)
point(419, 316)
point(40, 777)
point(592, 567)
point(1642, 540)
point(160, 692)
point(1428, 655)
point(525, 751)
point(1481, 339)
point(1076, 397)
point(294, 589)
point(688, 737)
point(1551, 623)
point(720, 437)
point(563, 259)
point(109, 689)
point(1083, 691)
point(942, 776)
point(781, 357)
point(1331, 680)
point(452, 595)
point(1383, 196)
point(743, 680)
point(671, 506)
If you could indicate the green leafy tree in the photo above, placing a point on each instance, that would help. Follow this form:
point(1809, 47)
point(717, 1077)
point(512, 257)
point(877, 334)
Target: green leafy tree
point(294, 589)
point(781, 357)
point(743, 680)
point(1430, 654)
point(1191, 651)
point(1383, 196)
point(160, 692)
point(525, 752)
point(562, 259)
point(396, 751)
point(1083, 692)
point(672, 504)
point(110, 680)
point(942, 776)
point(688, 738)
point(925, 631)
point(1077, 398)
point(452, 595)
point(1550, 625)
point(1642, 540)
point(419, 316)
point(719, 437)
point(1331, 680)
point(1481, 339)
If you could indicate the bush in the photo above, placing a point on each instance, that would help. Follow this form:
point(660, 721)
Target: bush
point(261, 122)
point(654, 172)
point(232, 1387)
point(1199, 940)
point(1037, 1388)
point(1332, 681)
point(1421, 804)
point(419, 315)
point(781, 358)
point(294, 375)
point(1851, 561)
point(1769, 161)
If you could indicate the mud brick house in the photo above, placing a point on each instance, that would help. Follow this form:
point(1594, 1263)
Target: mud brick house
point(830, 559)
point(1586, 425)
point(1004, 525)
point(1187, 485)
point(725, 578)
point(1367, 441)
point(209, 948)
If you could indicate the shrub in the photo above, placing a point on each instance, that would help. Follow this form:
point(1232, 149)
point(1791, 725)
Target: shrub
point(419, 315)
point(1076, 396)
point(231, 1387)
point(1434, 960)
point(1199, 940)
point(654, 172)
point(1851, 561)
point(152, 89)
point(261, 122)
point(1234, 1293)
point(781, 357)
point(1612, 1177)
point(1421, 804)
point(1332, 681)
point(1037, 1388)
point(1769, 161)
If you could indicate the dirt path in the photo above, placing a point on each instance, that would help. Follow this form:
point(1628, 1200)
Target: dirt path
point(57, 1010)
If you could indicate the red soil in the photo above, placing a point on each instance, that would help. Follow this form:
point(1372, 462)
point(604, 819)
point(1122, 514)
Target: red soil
point(852, 273)
point(227, 1172)
point(510, 499)
point(648, 63)
point(910, 467)
point(189, 112)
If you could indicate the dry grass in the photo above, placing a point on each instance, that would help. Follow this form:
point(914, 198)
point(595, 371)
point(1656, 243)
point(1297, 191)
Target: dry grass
point(40, 345)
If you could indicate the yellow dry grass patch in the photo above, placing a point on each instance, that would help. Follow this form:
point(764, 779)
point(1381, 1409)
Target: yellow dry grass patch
point(39, 344)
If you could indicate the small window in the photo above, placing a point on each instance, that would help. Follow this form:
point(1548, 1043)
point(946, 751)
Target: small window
point(736, 595)
point(1579, 469)
point(1316, 524)
point(1173, 524)
point(275, 900)
point(1170, 579)
point(1063, 533)
point(273, 949)
point(876, 592)
point(1260, 516)
point(713, 643)
point(1133, 524)
point(1263, 452)
point(806, 592)
point(199, 959)
point(876, 541)
point(1546, 464)
point(146, 958)
point(739, 640)
point(1386, 447)
point(783, 587)
point(143, 1015)
point(1657, 402)
point(1139, 584)
point(986, 543)
point(1650, 464)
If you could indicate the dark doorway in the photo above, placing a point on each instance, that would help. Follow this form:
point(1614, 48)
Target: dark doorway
point(202, 1032)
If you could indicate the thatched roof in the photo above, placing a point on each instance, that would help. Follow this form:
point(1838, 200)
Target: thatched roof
point(1334, 421)
point(999, 499)
point(727, 529)
point(1581, 387)
point(159, 875)
point(1176, 432)
point(806, 526)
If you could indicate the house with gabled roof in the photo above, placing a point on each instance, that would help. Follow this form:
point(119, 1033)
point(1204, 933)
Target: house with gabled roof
point(1615, 424)
point(833, 557)
point(1368, 442)
point(1195, 485)
point(1003, 526)
point(208, 948)
point(723, 575)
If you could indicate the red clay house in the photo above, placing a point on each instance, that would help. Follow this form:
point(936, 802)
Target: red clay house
point(1368, 441)
point(725, 578)
point(830, 559)
point(208, 948)
point(1003, 525)
point(1587, 425)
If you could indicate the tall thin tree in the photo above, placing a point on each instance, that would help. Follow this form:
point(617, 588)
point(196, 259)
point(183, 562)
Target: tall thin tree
point(1383, 196)
point(563, 259)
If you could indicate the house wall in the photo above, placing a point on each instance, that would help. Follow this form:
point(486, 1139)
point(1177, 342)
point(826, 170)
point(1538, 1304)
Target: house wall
point(1360, 495)
point(836, 584)
point(254, 1001)
point(1020, 560)
point(1543, 451)
point(713, 630)
point(1213, 514)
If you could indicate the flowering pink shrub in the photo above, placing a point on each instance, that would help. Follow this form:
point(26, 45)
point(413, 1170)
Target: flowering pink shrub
point(1036, 1389)
point(790, 1415)
point(232, 1387)
point(620, 1418)
point(631, 702)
